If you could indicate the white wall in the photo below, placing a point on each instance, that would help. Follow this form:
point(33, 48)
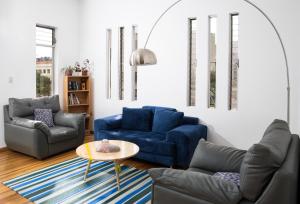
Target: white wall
point(17, 44)
point(262, 82)
point(261, 77)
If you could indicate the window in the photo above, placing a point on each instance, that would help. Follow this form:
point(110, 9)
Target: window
point(192, 61)
point(234, 60)
point(134, 46)
point(121, 63)
point(45, 45)
point(108, 63)
point(212, 63)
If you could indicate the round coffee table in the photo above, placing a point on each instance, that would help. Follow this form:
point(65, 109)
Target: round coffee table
point(88, 151)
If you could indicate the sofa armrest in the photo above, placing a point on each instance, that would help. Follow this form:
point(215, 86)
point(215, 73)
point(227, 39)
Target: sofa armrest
point(198, 185)
point(186, 138)
point(108, 123)
point(73, 120)
point(31, 141)
point(31, 124)
point(212, 157)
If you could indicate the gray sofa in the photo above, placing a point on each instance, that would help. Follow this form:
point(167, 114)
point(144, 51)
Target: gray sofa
point(268, 173)
point(34, 138)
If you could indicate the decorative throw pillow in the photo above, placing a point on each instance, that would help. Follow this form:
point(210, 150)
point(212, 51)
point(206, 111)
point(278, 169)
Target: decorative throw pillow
point(229, 176)
point(136, 119)
point(165, 120)
point(45, 116)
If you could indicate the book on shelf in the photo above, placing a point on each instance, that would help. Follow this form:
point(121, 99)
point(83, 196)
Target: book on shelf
point(73, 85)
point(73, 99)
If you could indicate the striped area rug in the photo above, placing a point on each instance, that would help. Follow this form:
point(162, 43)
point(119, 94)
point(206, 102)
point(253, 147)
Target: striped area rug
point(63, 183)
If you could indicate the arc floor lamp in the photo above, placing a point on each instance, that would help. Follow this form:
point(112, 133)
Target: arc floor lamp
point(143, 56)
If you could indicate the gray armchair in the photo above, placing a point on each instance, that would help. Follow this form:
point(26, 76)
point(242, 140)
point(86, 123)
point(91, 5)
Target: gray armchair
point(24, 134)
point(268, 173)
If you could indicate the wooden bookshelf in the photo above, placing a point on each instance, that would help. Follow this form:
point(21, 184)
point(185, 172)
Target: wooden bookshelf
point(77, 97)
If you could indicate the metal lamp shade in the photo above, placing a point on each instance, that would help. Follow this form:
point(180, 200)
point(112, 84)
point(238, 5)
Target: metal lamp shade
point(142, 57)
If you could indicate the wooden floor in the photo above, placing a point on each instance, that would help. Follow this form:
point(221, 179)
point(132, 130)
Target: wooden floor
point(13, 164)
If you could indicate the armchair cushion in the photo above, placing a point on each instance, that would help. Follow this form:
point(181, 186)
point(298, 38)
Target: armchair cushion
point(166, 120)
point(203, 186)
point(59, 133)
point(257, 171)
point(212, 157)
point(137, 119)
point(32, 124)
point(73, 120)
point(44, 115)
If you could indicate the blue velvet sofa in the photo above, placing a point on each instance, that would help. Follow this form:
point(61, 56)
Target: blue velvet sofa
point(151, 128)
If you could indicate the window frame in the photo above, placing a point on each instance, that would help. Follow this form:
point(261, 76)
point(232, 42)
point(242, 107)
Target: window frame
point(209, 62)
point(121, 31)
point(134, 73)
point(53, 46)
point(230, 106)
point(108, 62)
point(189, 64)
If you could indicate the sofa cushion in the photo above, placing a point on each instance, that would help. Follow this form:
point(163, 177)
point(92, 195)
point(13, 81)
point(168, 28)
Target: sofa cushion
point(44, 115)
point(148, 142)
point(263, 159)
point(136, 119)
point(60, 133)
point(25, 107)
point(198, 185)
point(213, 157)
point(155, 143)
point(166, 120)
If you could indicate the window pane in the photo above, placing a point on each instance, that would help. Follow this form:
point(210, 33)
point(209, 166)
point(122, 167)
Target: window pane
point(108, 62)
point(234, 61)
point(192, 61)
point(134, 46)
point(212, 61)
point(44, 71)
point(121, 63)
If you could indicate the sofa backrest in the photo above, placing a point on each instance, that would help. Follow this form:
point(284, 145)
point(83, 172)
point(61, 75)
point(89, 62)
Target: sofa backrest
point(283, 187)
point(154, 108)
point(187, 120)
point(25, 107)
point(269, 155)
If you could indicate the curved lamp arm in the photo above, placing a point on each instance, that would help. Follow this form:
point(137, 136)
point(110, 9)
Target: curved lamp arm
point(147, 57)
point(154, 25)
point(284, 54)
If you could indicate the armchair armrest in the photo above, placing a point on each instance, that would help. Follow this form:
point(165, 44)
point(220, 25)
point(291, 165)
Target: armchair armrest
point(31, 124)
point(212, 157)
point(186, 138)
point(108, 123)
point(73, 120)
point(198, 185)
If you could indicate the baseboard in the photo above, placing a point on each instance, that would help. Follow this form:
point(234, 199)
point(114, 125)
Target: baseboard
point(2, 149)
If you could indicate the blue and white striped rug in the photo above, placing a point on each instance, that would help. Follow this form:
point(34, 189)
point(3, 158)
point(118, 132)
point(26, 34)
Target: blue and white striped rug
point(63, 183)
